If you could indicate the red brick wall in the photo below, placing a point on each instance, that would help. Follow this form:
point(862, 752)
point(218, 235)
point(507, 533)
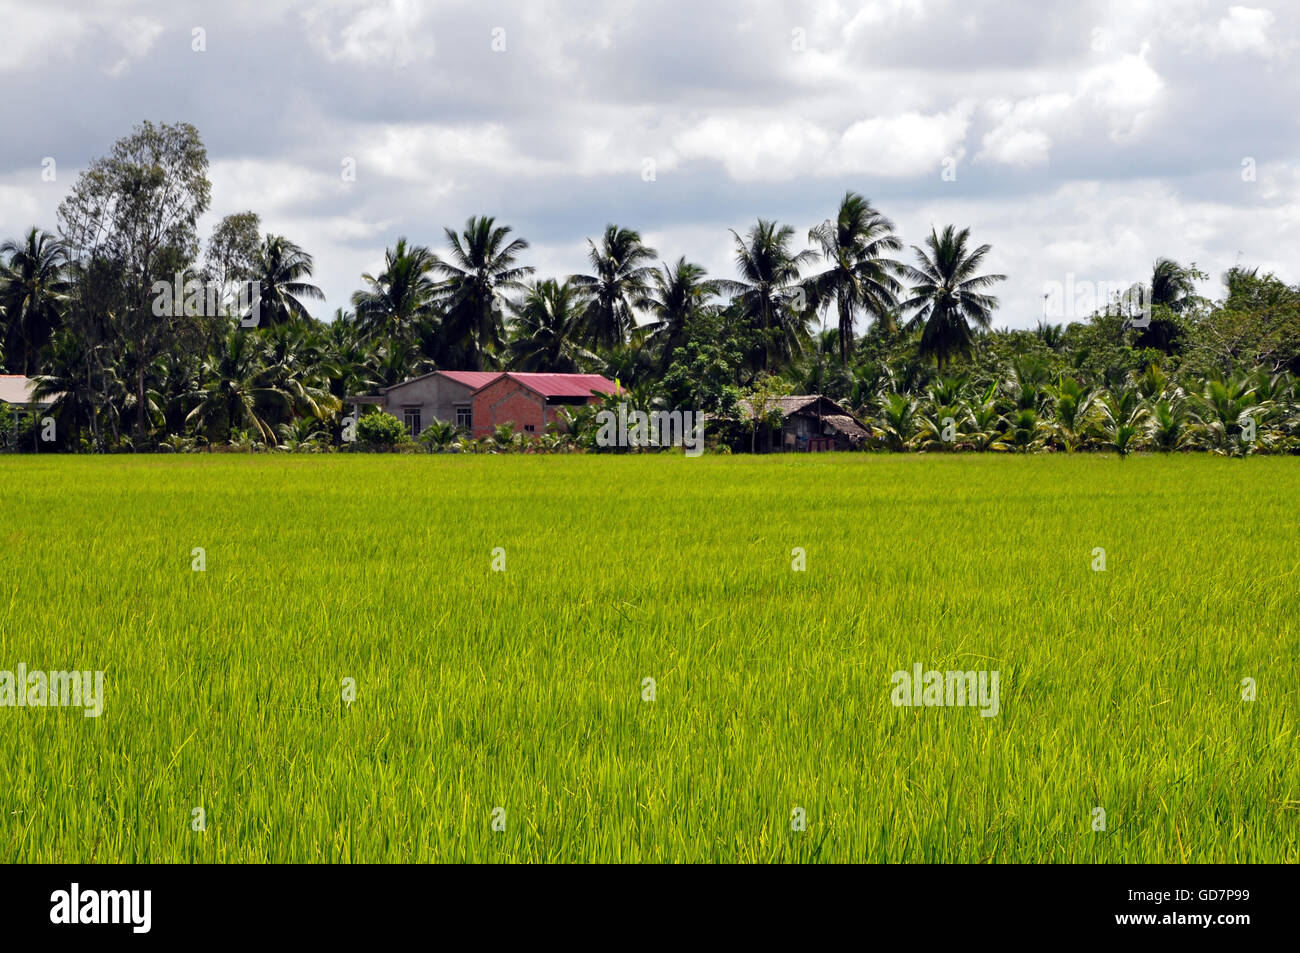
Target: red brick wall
point(505, 401)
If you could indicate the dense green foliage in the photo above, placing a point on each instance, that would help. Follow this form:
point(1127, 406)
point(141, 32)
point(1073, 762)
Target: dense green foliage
point(910, 348)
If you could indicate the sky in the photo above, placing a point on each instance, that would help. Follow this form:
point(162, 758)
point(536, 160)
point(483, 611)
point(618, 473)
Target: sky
point(1081, 141)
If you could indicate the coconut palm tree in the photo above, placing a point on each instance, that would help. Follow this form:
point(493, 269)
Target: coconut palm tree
point(677, 294)
point(769, 294)
point(400, 295)
point(240, 393)
point(1052, 335)
point(618, 286)
point(1026, 431)
point(948, 293)
point(899, 421)
point(1071, 413)
point(1122, 418)
point(861, 274)
point(547, 329)
point(984, 424)
point(68, 384)
point(439, 435)
point(1229, 409)
point(1172, 285)
point(1172, 424)
point(280, 270)
point(483, 263)
point(33, 290)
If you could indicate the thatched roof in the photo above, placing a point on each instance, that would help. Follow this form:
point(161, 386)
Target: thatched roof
point(847, 426)
point(815, 405)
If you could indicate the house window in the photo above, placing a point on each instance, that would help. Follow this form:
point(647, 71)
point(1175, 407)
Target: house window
point(528, 428)
point(464, 418)
point(411, 418)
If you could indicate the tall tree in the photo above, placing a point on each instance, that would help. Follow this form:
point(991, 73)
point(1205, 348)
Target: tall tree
point(861, 274)
point(33, 290)
point(768, 295)
point(547, 329)
point(483, 263)
point(138, 208)
point(677, 294)
point(1172, 285)
point(621, 266)
point(400, 295)
point(233, 248)
point(948, 293)
point(280, 270)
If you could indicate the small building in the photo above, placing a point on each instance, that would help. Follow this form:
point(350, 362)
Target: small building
point(478, 401)
point(533, 401)
point(438, 395)
point(809, 422)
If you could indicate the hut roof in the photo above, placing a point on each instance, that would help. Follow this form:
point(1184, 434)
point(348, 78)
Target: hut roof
point(816, 405)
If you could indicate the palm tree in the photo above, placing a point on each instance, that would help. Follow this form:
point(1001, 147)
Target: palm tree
point(768, 294)
point(33, 289)
point(400, 295)
point(619, 285)
point(1172, 285)
point(1052, 335)
point(898, 421)
point(680, 291)
point(949, 293)
point(546, 329)
point(984, 424)
point(1025, 431)
point(439, 435)
point(1122, 418)
point(861, 274)
point(67, 382)
point(483, 263)
point(1225, 407)
point(280, 270)
point(240, 393)
point(1172, 424)
point(1071, 411)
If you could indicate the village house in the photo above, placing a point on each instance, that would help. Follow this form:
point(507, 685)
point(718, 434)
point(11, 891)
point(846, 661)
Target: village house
point(533, 401)
point(479, 401)
point(809, 422)
point(438, 395)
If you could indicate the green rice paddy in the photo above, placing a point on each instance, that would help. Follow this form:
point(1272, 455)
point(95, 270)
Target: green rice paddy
point(526, 690)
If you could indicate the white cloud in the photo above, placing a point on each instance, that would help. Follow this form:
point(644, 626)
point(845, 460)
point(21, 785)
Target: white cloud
point(906, 145)
point(1244, 30)
point(1023, 135)
point(756, 148)
point(379, 34)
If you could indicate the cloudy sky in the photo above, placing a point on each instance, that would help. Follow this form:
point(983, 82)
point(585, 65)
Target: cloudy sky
point(1080, 139)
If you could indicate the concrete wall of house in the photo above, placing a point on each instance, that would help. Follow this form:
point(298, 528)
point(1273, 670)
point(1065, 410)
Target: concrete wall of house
point(435, 395)
point(508, 401)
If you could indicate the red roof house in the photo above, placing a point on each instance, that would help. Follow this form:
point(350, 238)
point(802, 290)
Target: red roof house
point(533, 401)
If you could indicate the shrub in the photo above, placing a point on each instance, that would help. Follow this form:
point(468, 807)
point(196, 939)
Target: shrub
point(381, 430)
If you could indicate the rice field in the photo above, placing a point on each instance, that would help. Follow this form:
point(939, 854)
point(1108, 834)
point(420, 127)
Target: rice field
point(599, 658)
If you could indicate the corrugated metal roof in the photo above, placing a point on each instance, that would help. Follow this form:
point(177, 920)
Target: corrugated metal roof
point(16, 389)
point(474, 379)
point(471, 379)
point(566, 385)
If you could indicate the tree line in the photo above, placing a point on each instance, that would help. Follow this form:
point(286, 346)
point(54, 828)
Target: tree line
point(87, 312)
